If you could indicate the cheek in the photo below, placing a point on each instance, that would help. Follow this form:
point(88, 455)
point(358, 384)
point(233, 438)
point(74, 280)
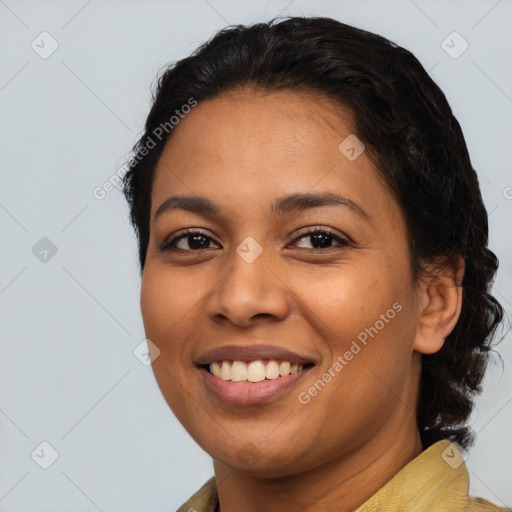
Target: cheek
point(167, 303)
point(347, 301)
point(156, 306)
point(167, 317)
point(366, 319)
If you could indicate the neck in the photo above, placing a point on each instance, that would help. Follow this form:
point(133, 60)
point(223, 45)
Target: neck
point(342, 483)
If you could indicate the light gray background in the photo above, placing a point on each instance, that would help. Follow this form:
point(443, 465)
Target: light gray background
point(69, 326)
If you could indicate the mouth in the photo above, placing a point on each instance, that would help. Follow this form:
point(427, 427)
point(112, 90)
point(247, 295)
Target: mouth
point(252, 374)
point(254, 371)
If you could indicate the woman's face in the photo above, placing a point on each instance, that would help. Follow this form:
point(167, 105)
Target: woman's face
point(256, 282)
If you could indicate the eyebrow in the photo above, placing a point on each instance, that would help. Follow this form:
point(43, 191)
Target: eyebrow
point(283, 206)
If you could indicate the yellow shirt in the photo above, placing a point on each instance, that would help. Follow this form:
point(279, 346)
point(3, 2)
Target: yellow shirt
point(435, 481)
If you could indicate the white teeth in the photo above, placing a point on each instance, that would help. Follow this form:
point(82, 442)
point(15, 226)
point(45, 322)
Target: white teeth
point(238, 371)
point(226, 370)
point(216, 369)
point(284, 369)
point(255, 371)
point(272, 371)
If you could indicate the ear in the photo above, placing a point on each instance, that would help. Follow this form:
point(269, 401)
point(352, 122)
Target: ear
point(440, 302)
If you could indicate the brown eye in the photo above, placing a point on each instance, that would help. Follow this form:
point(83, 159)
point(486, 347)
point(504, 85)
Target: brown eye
point(195, 240)
point(322, 239)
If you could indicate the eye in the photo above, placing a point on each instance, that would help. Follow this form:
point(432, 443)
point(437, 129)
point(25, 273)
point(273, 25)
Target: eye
point(194, 239)
point(322, 238)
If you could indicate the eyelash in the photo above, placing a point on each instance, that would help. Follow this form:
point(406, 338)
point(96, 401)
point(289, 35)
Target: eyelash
point(167, 244)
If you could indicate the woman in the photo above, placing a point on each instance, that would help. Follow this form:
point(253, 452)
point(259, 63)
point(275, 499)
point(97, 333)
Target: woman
point(315, 271)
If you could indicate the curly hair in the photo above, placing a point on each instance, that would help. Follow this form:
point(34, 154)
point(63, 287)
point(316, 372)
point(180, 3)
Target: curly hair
point(408, 128)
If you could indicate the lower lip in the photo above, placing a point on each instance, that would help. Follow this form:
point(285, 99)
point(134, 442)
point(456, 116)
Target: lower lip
point(247, 393)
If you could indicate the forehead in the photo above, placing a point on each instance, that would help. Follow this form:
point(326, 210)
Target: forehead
point(254, 146)
point(250, 119)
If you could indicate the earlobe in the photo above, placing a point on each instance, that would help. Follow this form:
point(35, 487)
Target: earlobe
point(440, 303)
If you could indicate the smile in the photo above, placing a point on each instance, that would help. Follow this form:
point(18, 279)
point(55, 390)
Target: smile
point(240, 392)
point(253, 371)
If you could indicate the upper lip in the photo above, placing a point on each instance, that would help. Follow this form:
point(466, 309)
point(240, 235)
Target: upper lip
point(249, 353)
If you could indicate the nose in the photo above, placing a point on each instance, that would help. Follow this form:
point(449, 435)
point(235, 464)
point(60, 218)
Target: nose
point(248, 292)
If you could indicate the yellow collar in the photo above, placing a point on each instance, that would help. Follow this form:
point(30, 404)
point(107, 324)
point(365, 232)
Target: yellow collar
point(435, 481)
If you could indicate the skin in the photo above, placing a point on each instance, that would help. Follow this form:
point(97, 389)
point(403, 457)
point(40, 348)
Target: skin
point(243, 151)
